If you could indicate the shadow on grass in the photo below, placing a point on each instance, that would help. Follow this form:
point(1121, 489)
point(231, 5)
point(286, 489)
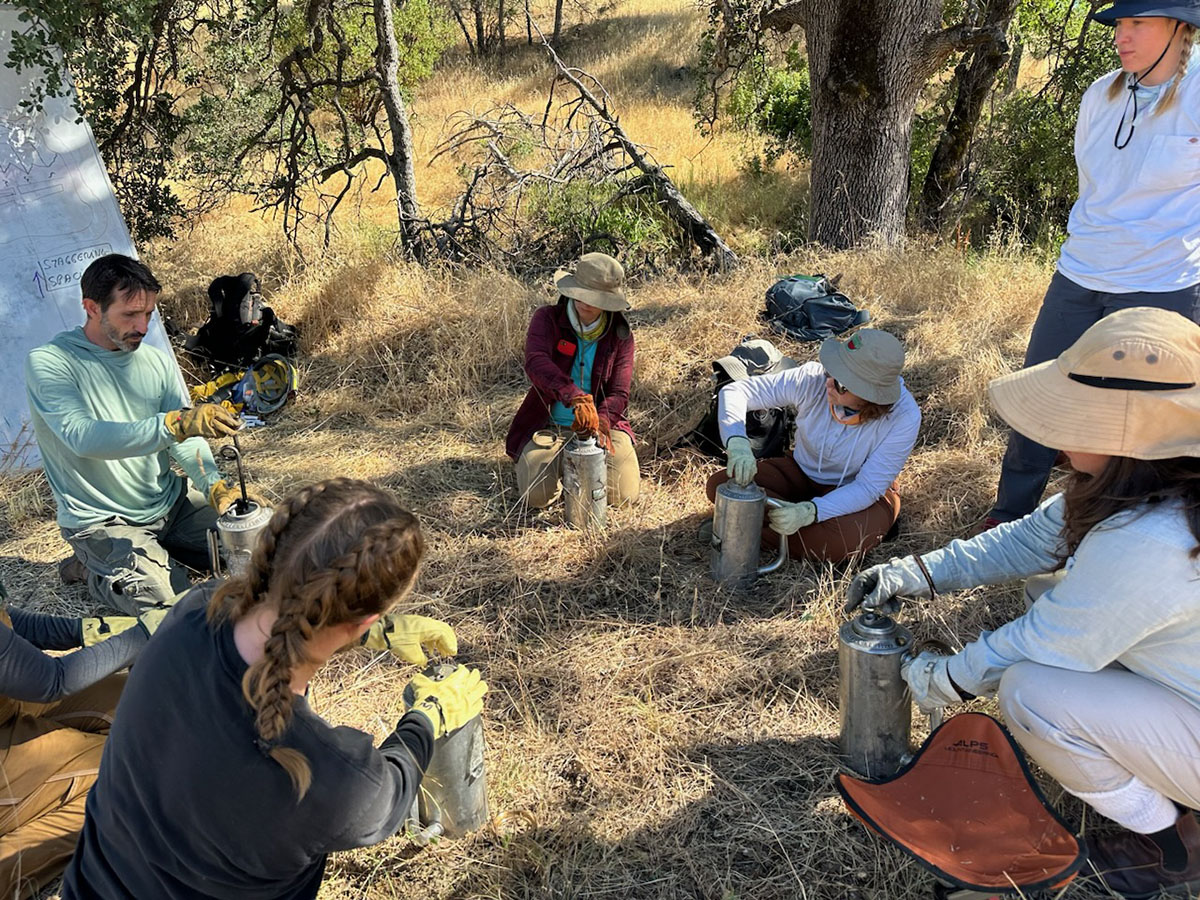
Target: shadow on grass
point(756, 833)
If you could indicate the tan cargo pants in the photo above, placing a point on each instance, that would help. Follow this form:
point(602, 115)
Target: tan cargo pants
point(49, 758)
point(539, 468)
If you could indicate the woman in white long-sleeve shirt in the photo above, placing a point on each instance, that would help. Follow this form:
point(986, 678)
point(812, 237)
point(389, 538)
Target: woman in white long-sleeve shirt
point(856, 425)
point(1100, 679)
point(1133, 238)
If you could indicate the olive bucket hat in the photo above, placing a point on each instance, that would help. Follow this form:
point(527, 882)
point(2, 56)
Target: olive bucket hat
point(1127, 387)
point(868, 364)
point(596, 281)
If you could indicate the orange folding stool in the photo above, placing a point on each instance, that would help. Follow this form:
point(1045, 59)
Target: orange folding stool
point(968, 810)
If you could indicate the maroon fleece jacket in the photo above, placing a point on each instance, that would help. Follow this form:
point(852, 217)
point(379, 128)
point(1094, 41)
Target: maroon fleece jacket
point(549, 349)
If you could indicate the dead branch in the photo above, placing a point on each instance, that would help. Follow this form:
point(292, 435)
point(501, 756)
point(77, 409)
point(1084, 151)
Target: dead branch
point(672, 201)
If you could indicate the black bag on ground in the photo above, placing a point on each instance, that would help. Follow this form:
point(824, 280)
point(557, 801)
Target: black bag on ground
point(240, 329)
point(769, 430)
point(810, 308)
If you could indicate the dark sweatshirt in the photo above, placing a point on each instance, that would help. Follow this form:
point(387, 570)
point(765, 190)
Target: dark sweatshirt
point(27, 673)
point(188, 806)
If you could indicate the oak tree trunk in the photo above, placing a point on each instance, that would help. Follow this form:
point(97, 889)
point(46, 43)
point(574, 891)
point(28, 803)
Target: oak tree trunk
point(868, 60)
point(974, 78)
point(400, 156)
point(480, 26)
point(865, 83)
point(558, 20)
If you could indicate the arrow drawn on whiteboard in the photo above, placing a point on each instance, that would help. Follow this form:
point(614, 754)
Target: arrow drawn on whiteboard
point(37, 277)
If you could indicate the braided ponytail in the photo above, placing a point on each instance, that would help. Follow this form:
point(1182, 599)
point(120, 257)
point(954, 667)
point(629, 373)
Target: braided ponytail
point(333, 553)
point(1171, 95)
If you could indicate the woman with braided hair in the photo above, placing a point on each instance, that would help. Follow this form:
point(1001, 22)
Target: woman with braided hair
point(218, 779)
point(1134, 231)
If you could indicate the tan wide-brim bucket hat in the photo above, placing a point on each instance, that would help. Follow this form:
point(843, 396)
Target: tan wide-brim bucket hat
point(597, 281)
point(1127, 387)
point(868, 364)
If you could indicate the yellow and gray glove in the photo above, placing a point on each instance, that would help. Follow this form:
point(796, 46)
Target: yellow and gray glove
point(409, 636)
point(208, 420)
point(151, 618)
point(450, 703)
point(742, 466)
point(100, 628)
point(788, 518)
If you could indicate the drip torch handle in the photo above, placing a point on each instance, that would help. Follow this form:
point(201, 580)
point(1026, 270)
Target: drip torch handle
point(241, 475)
point(782, 556)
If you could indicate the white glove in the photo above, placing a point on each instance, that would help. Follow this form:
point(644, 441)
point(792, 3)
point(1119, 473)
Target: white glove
point(742, 466)
point(928, 677)
point(877, 588)
point(788, 518)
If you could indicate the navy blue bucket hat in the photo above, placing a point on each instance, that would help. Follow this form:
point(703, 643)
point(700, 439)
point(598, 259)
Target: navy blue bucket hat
point(1184, 10)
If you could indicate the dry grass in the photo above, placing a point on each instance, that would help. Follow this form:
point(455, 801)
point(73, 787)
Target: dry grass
point(649, 736)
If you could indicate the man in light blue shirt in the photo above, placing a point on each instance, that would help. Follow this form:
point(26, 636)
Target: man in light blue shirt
point(110, 417)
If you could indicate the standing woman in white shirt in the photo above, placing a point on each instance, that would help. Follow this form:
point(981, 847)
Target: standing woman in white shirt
point(856, 424)
point(1134, 232)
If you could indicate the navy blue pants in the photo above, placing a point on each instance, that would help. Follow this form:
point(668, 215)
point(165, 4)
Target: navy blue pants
point(1068, 310)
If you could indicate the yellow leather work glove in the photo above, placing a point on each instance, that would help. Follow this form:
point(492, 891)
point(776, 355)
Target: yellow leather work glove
point(409, 636)
point(450, 703)
point(221, 496)
point(209, 420)
point(152, 618)
point(101, 628)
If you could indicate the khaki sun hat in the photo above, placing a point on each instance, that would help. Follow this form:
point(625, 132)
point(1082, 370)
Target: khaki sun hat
point(867, 364)
point(597, 282)
point(1127, 387)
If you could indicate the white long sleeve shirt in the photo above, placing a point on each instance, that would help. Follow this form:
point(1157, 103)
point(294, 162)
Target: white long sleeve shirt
point(860, 460)
point(1136, 223)
point(1130, 594)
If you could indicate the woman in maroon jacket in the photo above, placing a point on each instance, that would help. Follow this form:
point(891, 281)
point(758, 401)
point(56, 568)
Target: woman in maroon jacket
point(579, 357)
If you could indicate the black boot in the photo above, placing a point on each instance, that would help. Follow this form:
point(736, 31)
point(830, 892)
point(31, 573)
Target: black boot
point(1132, 864)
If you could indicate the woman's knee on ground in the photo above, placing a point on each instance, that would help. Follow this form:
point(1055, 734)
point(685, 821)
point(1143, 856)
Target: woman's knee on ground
point(624, 475)
point(538, 489)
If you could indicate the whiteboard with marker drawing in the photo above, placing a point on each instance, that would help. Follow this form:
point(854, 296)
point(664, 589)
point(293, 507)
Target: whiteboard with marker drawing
point(57, 214)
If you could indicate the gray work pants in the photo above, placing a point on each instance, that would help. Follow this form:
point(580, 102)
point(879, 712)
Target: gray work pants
point(1068, 310)
point(132, 567)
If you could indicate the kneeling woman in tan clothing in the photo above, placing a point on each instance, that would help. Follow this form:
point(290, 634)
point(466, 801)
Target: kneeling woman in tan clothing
point(55, 713)
point(579, 357)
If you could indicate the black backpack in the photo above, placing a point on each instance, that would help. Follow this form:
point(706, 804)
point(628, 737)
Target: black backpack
point(810, 308)
point(240, 328)
point(769, 430)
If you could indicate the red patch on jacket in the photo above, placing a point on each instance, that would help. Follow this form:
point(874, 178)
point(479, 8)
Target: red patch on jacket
point(565, 346)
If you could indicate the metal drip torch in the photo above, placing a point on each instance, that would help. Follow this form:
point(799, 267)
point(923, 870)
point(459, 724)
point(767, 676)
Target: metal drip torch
point(876, 710)
point(737, 536)
point(453, 796)
point(585, 483)
point(239, 526)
